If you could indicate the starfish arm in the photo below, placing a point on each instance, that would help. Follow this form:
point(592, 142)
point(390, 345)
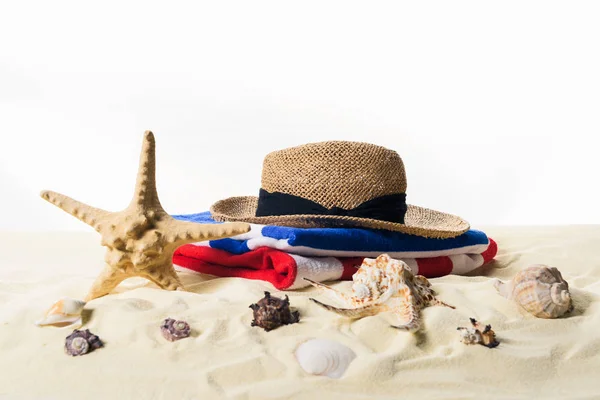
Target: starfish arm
point(145, 194)
point(359, 312)
point(88, 214)
point(108, 279)
point(164, 277)
point(182, 232)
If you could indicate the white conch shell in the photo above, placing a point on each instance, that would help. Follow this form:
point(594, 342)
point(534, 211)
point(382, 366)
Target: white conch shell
point(384, 284)
point(324, 357)
point(540, 290)
point(65, 312)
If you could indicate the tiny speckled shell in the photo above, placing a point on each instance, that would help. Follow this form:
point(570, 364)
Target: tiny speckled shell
point(174, 330)
point(478, 334)
point(540, 290)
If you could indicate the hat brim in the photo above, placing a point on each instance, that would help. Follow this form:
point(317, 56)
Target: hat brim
point(418, 221)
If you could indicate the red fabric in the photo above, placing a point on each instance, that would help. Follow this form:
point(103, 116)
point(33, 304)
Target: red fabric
point(435, 267)
point(263, 263)
point(491, 252)
point(350, 264)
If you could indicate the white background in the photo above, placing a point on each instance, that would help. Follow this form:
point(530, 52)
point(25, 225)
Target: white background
point(494, 106)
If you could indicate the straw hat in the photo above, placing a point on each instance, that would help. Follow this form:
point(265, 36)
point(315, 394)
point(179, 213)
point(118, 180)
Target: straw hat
point(337, 184)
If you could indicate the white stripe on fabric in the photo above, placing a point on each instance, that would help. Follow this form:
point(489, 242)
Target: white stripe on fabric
point(464, 263)
point(283, 245)
point(317, 269)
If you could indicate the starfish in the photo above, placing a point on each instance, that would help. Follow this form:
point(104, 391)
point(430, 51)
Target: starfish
point(141, 239)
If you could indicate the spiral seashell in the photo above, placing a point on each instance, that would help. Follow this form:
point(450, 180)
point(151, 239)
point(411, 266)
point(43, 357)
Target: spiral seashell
point(77, 346)
point(65, 312)
point(324, 357)
point(174, 330)
point(81, 342)
point(361, 290)
point(540, 290)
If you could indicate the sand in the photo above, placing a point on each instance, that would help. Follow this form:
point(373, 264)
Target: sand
point(227, 358)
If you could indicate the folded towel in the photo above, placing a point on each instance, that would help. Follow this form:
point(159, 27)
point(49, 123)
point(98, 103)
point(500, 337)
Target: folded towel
point(286, 271)
point(343, 242)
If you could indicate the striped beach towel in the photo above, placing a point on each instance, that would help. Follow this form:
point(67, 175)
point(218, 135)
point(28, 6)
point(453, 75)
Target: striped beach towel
point(283, 256)
point(286, 271)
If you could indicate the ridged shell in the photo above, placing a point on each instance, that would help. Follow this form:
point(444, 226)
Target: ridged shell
point(324, 357)
point(174, 330)
point(540, 290)
point(65, 312)
point(82, 342)
point(377, 279)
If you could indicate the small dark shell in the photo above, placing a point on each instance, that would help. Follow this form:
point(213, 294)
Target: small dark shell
point(479, 333)
point(272, 312)
point(79, 342)
point(174, 330)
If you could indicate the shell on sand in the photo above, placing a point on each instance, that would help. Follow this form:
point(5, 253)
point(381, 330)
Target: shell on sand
point(271, 312)
point(65, 312)
point(384, 284)
point(81, 342)
point(324, 357)
point(478, 334)
point(540, 290)
point(174, 330)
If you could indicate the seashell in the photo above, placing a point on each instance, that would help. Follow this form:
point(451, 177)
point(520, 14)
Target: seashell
point(478, 334)
point(174, 330)
point(540, 290)
point(272, 312)
point(82, 342)
point(384, 284)
point(65, 312)
point(324, 357)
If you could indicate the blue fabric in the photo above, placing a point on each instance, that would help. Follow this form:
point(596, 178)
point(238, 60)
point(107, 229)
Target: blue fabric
point(341, 239)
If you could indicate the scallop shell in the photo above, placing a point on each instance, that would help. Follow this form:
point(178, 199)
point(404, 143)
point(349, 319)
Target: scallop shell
point(65, 312)
point(540, 290)
point(324, 357)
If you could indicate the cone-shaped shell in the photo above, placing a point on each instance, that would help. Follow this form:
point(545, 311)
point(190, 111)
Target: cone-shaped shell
point(324, 357)
point(65, 312)
point(540, 290)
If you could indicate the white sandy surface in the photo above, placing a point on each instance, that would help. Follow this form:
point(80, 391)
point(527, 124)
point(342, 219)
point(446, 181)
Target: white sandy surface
point(227, 358)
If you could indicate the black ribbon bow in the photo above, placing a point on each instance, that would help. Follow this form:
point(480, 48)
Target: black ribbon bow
point(391, 207)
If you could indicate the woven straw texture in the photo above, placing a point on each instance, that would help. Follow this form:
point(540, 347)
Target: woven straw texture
point(342, 174)
point(338, 174)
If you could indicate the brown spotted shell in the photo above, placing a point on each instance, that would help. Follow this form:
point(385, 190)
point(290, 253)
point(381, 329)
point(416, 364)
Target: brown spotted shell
point(540, 290)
